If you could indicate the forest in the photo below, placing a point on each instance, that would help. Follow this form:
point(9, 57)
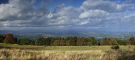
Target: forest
point(65, 41)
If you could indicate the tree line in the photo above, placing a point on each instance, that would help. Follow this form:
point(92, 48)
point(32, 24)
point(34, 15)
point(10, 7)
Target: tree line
point(65, 41)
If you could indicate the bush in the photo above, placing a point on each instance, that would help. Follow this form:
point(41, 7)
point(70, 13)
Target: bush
point(9, 38)
point(115, 47)
point(109, 41)
point(24, 41)
point(1, 38)
point(131, 40)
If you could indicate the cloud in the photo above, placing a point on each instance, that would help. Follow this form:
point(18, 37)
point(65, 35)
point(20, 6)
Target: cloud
point(106, 14)
point(108, 5)
point(21, 12)
point(93, 13)
point(64, 16)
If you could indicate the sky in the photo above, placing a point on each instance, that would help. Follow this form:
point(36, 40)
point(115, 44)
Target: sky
point(105, 15)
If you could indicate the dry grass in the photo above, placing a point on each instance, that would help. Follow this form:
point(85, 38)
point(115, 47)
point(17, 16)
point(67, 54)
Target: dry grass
point(56, 53)
point(17, 54)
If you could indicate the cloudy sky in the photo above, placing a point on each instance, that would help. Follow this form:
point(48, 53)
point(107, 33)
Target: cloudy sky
point(106, 15)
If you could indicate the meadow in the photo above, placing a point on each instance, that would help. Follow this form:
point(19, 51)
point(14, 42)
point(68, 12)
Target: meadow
point(30, 52)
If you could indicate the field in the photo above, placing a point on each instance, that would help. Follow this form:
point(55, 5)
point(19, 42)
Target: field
point(29, 52)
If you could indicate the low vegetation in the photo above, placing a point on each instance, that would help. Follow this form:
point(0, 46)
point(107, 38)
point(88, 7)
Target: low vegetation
point(66, 52)
point(66, 48)
point(65, 41)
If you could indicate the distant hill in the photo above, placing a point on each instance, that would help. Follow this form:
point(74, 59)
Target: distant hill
point(69, 32)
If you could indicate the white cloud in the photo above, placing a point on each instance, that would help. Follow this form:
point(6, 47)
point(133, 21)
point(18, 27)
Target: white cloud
point(21, 12)
point(7, 10)
point(64, 16)
point(92, 13)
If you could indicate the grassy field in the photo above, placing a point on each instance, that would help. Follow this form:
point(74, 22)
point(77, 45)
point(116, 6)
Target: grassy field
point(28, 52)
point(64, 48)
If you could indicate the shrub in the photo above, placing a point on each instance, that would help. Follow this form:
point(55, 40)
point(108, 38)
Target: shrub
point(131, 40)
point(115, 47)
point(109, 41)
point(24, 41)
point(1, 38)
point(9, 38)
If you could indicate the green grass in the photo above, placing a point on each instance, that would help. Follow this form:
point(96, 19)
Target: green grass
point(62, 48)
point(20, 46)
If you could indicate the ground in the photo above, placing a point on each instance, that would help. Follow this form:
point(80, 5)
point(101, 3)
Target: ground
point(30, 52)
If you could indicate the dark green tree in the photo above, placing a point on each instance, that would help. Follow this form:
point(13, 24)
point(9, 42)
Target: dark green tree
point(72, 41)
point(109, 41)
point(24, 41)
point(131, 40)
point(122, 42)
point(44, 41)
point(93, 40)
point(1, 38)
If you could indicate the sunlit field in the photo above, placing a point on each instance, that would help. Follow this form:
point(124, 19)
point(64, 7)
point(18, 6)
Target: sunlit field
point(67, 29)
point(29, 52)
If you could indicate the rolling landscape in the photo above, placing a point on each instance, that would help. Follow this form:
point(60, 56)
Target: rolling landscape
point(67, 29)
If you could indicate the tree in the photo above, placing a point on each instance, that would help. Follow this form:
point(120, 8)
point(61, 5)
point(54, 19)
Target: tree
point(122, 42)
point(92, 40)
point(40, 41)
point(59, 41)
point(44, 41)
point(48, 41)
point(72, 41)
point(24, 41)
point(131, 40)
point(9, 38)
point(109, 41)
point(82, 41)
point(1, 38)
